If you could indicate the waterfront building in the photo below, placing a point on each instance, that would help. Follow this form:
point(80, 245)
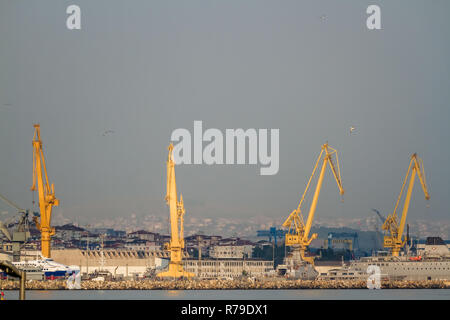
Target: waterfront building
point(228, 268)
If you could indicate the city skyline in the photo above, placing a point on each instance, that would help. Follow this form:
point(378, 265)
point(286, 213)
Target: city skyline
point(247, 227)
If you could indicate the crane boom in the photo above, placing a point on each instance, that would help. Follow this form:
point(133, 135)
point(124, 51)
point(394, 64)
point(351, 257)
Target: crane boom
point(395, 239)
point(379, 215)
point(298, 233)
point(46, 193)
point(177, 211)
point(12, 204)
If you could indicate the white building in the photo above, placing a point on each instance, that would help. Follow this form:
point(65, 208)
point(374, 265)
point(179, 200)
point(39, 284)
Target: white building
point(228, 268)
point(148, 246)
point(119, 262)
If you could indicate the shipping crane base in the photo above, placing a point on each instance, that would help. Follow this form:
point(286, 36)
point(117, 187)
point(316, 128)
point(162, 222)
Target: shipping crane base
point(176, 272)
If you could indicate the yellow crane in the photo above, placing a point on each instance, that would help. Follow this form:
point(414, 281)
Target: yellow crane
point(46, 193)
point(298, 233)
point(177, 211)
point(394, 239)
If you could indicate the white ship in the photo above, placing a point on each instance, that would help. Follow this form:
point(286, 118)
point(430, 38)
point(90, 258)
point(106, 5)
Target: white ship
point(50, 268)
point(431, 262)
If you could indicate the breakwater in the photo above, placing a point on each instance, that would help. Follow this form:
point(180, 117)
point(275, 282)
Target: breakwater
point(246, 284)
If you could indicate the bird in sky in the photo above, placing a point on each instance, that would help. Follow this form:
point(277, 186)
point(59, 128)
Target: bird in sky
point(107, 132)
point(352, 129)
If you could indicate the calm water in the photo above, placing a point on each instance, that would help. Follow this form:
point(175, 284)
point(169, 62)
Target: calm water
point(316, 294)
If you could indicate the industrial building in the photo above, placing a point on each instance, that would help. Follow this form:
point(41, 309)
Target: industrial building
point(119, 263)
point(228, 268)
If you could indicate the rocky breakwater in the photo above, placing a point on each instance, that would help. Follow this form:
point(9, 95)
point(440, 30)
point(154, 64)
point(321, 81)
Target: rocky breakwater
point(241, 284)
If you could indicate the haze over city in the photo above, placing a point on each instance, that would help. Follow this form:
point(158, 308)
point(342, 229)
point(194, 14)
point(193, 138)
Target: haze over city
point(109, 96)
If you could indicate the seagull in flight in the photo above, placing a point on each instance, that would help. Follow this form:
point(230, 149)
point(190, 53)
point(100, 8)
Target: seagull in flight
point(107, 132)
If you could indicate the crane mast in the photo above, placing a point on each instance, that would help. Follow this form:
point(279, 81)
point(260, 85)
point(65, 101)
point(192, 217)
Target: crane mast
point(177, 211)
point(394, 239)
point(46, 194)
point(298, 233)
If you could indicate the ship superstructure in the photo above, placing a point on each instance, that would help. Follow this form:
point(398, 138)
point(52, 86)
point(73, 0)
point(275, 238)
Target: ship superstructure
point(432, 262)
point(50, 268)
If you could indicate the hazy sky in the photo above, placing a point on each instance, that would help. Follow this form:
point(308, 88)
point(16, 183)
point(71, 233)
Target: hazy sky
point(144, 68)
